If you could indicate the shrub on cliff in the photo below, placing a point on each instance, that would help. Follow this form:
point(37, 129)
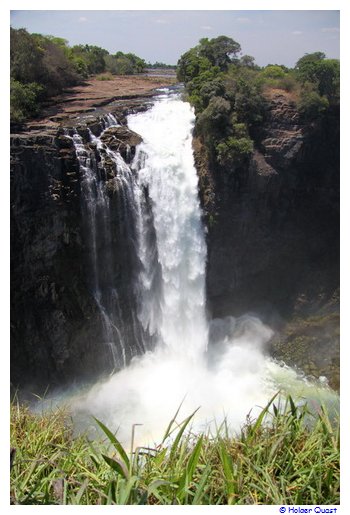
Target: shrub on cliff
point(226, 93)
point(322, 73)
point(312, 105)
point(232, 151)
point(210, 54)
point(214, 122)
point(24, 100)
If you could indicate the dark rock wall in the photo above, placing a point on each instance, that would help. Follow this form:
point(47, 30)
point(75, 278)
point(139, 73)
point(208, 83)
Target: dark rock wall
point(51, 336)
point(57, 334)
point(273, 223)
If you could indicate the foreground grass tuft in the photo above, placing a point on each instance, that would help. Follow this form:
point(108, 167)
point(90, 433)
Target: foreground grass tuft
point(277, 459)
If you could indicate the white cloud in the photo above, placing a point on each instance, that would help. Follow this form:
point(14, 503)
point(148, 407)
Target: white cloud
point(243, 20)
point(161, 21)
point(82, 19)
point(330, 29)
point(207, 27)
point(297, 33)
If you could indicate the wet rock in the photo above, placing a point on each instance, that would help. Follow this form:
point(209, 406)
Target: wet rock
point(311, 344)
point(122, 140)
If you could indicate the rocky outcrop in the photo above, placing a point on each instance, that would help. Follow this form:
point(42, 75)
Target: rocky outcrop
point(273, 222)
point(122, 140)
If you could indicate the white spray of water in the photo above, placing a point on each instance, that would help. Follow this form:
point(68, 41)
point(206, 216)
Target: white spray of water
point(230, 378)
point(167, 170)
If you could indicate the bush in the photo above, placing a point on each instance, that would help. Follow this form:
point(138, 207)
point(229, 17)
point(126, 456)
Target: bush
point(311, 105)
point(288, 83)
point(24, 100)
point(273, 71)
point(234, 150)
point(214, 122)
point(106, 76)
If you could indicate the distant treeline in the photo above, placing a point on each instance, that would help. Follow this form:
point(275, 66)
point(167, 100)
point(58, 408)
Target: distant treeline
point(228, 92)
point(43, 66)
point(161, 65)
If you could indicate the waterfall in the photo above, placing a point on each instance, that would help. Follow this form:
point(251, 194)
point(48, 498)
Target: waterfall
point(159, 209)
point(100, 229)
point(175, 308)
point(177, 357)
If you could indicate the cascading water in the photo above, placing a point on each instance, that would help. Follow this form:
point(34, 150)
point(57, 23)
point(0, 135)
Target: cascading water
point(218, 366)
point(95, 204)
point(166, 171)
point(99, 231)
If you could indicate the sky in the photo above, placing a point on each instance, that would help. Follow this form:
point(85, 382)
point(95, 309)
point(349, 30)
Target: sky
point(270, 36)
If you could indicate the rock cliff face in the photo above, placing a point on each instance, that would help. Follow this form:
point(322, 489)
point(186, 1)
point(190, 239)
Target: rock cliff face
point(273, 223)
point(57, 333)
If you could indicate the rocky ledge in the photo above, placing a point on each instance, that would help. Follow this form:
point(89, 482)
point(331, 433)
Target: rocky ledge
point(93, 98)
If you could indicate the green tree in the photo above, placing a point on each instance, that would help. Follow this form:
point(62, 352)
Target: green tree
point(191, 65)
point(306, 67)
point(214, 123)
point(124, 65)
point(58, 71)
point(328, 76)
point(220, 51)
point(138, 64)
point(312, 105)
point(248, 61)
point(322, 73)
point(26, 57)
point(93, 56)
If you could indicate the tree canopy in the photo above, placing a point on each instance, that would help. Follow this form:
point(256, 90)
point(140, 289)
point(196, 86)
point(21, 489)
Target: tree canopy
point(227, 92)
point(323, 74)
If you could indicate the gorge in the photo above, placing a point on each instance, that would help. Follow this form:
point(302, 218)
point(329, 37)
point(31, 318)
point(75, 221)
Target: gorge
point(110, 265)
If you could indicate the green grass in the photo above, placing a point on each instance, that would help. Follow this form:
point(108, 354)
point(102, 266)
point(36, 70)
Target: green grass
point(277, 459)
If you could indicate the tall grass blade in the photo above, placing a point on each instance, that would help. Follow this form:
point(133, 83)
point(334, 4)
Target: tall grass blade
point(172, 421)
point(117, 465)
point(114, 441)
point(202, 485)
point(191, 466)
point(256, 426)
point(153, 489)
point(227, 465)
point(77, 498)
point(183, 426)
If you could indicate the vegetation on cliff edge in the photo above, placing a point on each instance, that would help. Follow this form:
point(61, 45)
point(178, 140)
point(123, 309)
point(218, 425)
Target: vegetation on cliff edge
point(228, 93)
point(43, 66)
